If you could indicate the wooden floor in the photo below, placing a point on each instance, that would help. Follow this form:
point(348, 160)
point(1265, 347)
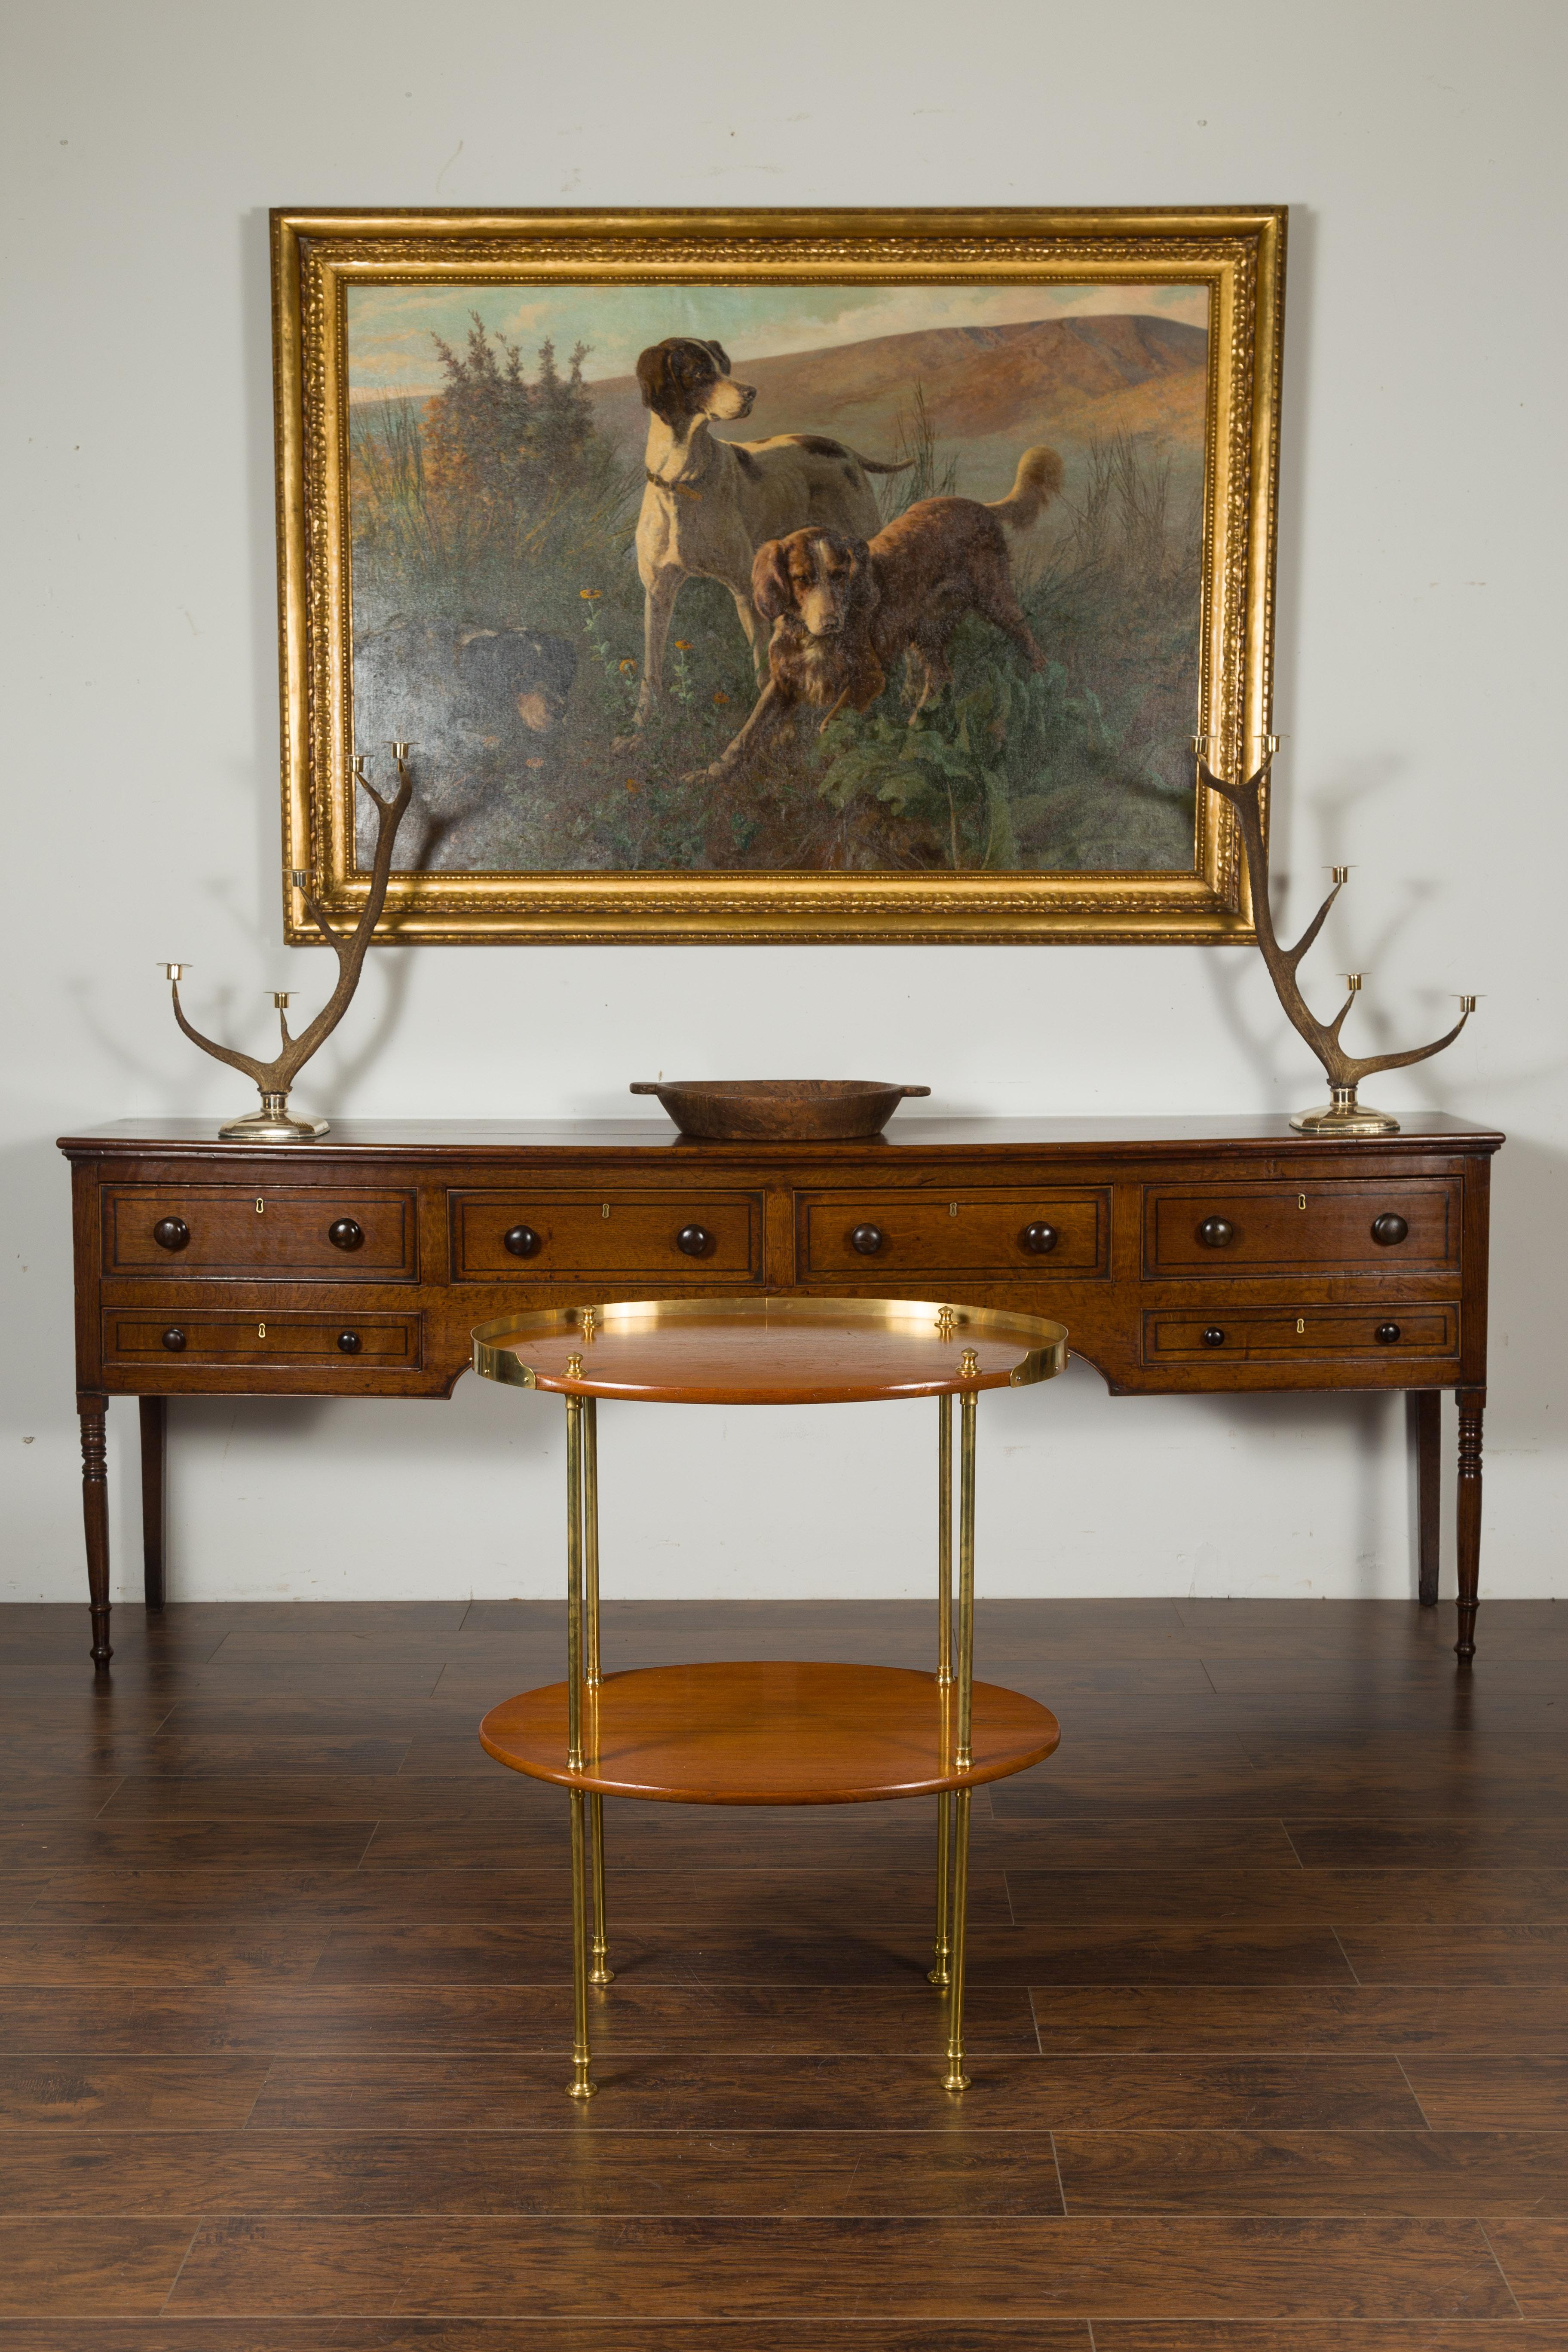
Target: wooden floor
point(1269, 2000)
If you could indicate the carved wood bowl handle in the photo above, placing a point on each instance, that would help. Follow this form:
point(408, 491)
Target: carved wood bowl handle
point(1040, 1238)
point(696, 1241)
point(1214, 1337)
point(346, 1234)
point(350, 1342)
point(171, 1232)
point(868, 1240)
point(1216, 1233)
point(174, 1339)
point(1387, 1333)
point(522, 1241)
point(1388, 1229)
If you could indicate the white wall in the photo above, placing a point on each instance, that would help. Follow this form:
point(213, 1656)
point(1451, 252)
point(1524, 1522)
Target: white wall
point(1419, 641)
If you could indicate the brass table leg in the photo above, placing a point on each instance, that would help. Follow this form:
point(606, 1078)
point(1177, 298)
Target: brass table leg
point(601, 1972)
point(582, 2085)
point(956, 2079)
point(938, 1975)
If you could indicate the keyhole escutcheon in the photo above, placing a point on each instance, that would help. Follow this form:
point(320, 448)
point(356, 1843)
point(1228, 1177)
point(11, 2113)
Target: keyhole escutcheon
point(1301, 1200)
point(260, 1206)
point(261, 1331)
point(953, 1208)
point(606, 1210)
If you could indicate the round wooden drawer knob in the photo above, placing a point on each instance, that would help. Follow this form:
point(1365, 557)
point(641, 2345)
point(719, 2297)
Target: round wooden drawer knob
point(174, 1339)
point(346, 1234)
point(1387, 1333)
point(868, 1240)
point(694, 1240)
point(1389, 1229)
point(1216, 1233)
point(171, 1232)
point(522, 1241)
point(1214, 1337)
point(1041, 1239)
point(349, 1342)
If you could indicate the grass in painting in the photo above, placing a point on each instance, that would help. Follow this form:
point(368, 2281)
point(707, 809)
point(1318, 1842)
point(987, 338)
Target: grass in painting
point(497, 515)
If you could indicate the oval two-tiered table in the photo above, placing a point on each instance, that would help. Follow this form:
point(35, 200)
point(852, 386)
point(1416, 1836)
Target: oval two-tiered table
point(752, 1732)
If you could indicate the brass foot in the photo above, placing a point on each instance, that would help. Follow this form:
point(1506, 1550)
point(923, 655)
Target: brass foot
point(955, 2083)
point(937, 1977)
point(584, 2089)
point(601, 1973)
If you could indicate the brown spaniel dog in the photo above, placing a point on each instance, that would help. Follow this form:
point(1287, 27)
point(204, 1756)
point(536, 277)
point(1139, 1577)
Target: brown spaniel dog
point(844, 610)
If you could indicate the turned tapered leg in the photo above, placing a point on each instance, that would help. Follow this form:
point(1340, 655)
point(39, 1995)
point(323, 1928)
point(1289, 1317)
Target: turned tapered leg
point(93, 1409)
point(1424, 1408)
point(582, 2085)
point(154, 1411)
point(1472, 1405)
point(1424, 1414)
point(956, 2079)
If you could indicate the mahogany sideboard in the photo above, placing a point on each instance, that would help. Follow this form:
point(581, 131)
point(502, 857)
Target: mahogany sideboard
point(1184, 1255)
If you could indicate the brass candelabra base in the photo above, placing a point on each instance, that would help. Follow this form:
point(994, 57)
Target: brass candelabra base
point(1342, 1115)
point(272, 1124)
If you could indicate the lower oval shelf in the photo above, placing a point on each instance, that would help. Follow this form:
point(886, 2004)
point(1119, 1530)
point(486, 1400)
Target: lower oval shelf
point(768, 1732)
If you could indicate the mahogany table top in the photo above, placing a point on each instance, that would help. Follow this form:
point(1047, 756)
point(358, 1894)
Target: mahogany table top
point(770, 1733)
point(772, 1350)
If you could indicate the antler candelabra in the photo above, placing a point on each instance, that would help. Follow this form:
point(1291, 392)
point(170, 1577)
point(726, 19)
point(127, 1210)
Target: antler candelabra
point(271, 1123)
point(1341, 1114)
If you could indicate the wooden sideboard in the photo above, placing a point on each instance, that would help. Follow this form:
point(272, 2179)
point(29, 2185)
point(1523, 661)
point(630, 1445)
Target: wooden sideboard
point(1184, 1255)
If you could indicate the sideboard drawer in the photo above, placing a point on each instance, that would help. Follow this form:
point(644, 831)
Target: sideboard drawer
point(142, 1336)
point(1278, 1335)
point(1387, 1226)
point(659, 1237)
point(302, 1233)
point(916, 1234)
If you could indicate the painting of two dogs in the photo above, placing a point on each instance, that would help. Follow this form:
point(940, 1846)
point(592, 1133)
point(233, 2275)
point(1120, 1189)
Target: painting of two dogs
point(829, 600)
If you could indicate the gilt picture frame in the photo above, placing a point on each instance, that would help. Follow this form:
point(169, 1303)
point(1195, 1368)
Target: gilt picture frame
point(776, 575)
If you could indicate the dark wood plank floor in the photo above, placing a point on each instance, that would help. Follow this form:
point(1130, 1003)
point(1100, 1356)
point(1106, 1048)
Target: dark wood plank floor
point(1269, 2012)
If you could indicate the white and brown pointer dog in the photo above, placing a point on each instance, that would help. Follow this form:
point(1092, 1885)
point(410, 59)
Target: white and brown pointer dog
point(709, 505)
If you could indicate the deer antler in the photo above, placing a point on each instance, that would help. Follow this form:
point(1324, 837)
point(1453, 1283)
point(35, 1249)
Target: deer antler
point(276, 1078)
point(1344, 1071)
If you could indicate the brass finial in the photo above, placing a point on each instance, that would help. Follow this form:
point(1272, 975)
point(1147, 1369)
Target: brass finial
point(589, 1321)
point(946, 1322)
point(970, 1364)
point(573, 1367)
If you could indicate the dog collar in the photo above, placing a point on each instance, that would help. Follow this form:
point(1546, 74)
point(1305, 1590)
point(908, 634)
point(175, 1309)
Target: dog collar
point(681, 490)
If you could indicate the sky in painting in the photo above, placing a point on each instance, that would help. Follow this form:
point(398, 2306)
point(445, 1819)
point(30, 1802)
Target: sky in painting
point(390, 327)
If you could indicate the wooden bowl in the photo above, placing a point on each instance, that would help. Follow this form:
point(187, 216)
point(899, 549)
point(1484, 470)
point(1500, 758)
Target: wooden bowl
point(783, 1110)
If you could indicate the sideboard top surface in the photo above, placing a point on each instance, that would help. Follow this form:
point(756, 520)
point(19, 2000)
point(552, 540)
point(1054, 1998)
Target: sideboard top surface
point(440, 1138)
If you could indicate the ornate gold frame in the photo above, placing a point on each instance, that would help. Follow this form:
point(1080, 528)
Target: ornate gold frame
point(1238, 251)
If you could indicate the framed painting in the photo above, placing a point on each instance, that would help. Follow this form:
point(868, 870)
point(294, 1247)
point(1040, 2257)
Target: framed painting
point(776, 575)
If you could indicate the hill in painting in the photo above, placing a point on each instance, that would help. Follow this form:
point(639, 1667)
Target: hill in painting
point(989, 391)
